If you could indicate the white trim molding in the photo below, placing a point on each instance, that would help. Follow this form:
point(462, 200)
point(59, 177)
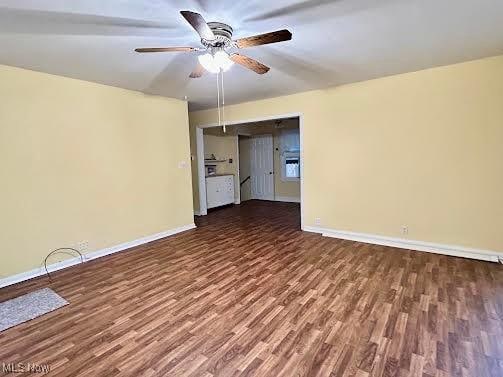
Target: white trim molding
point(288, 199)
point(401, 243)
point(9, 280)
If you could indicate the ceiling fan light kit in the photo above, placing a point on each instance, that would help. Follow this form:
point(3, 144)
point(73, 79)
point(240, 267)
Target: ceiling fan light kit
point(213, 63)
point(216, 38)
point(217, 42)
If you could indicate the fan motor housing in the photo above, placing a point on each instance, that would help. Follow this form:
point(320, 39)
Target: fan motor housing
point(223, 35)
point(219, 28)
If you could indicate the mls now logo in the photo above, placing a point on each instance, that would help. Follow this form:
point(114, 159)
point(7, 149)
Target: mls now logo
point(25, 368)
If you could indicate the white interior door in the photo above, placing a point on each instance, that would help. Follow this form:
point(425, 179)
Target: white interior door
point(262, 167)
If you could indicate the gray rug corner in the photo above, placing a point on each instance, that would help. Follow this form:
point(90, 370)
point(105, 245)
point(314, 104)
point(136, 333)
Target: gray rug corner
point(29, 306)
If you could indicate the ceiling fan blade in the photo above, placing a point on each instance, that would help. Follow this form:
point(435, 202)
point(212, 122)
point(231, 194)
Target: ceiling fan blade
point(199, 24)
point(263, 39)
point(166, 49)
point(197, 72)
point(249, 63)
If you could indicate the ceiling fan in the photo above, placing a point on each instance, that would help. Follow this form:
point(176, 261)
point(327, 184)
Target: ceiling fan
point(220, 48)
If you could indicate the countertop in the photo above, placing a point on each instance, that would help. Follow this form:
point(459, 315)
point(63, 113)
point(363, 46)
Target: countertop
point(218, 175)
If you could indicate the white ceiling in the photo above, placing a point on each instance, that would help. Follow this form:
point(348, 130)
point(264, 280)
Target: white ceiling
point(334, 41)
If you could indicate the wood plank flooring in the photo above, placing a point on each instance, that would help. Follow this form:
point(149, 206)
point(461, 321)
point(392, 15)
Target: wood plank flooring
point(248, 294)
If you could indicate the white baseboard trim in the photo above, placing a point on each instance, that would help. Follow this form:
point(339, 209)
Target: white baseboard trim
point(429, 247)
point(9, 280)
point(197, 213)
point(312, 229)
point(288, 199)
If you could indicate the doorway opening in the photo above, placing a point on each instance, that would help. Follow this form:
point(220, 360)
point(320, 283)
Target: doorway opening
point(253, 160)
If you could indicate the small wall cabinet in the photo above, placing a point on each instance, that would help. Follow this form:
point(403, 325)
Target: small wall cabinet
point(219, 190)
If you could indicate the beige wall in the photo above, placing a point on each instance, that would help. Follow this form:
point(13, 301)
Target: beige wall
point(86, 162)
point(422, 149)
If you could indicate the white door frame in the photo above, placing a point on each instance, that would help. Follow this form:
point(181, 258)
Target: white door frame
point(203, 210)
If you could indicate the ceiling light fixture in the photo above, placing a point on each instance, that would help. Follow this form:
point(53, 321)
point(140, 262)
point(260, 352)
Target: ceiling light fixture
point(215, 62)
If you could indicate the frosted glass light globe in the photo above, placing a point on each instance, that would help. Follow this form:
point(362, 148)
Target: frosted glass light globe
point(213, 63)
point(208, 62)
point(222, 60)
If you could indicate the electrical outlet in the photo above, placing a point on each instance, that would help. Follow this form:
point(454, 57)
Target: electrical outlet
point(405, 229)
point(82, 246)
point(317, 221)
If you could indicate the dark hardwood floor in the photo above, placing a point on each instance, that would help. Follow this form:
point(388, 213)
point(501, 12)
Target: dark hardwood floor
point(248, 294)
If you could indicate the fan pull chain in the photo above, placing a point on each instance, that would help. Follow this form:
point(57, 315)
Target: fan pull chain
point(218, 99)
point(223, 102)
